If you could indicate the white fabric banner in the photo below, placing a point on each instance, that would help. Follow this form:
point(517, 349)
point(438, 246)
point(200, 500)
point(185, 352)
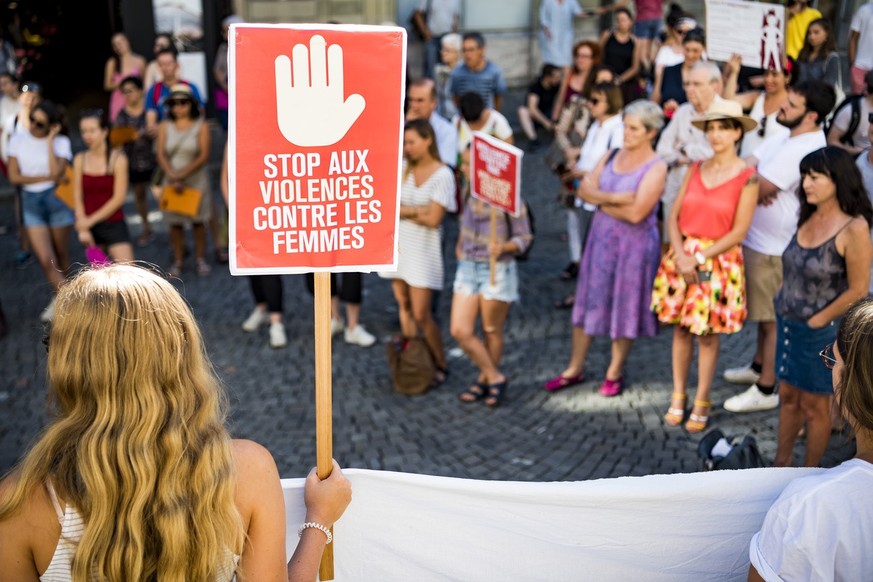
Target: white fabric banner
point(402, 526)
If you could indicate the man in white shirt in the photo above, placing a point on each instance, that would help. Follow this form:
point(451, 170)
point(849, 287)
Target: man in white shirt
point(436, 18)
point(861, 46)
point(774, 224)
point(422, 102)
point(681, 143)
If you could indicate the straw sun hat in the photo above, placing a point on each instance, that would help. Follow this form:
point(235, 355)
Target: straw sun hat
point(181, 91)
point(725, 109)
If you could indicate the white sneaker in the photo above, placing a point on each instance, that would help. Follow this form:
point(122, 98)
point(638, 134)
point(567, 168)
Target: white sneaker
point(751, 400)
point(336, 326)
point(743, 375)
point(256, 320)
point(48, 314)
point(359, 337)
point(278, 339)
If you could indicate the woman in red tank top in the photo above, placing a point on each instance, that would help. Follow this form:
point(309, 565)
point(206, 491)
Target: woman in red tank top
point(99, 188)
point(700, 287)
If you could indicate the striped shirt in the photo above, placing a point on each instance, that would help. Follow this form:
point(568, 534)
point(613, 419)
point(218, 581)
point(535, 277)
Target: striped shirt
point(419, 247)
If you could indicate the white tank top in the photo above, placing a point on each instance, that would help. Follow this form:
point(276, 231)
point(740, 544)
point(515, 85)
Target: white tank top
point(72, 528)
point(753, 139)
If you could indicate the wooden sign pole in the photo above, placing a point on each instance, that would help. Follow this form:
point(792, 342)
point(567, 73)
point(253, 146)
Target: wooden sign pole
point(492, 259)
point(323, 400)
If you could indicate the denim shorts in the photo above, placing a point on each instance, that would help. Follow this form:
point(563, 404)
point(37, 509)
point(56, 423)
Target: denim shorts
point(45, 209)
point(472, 279)
point(797, 360)
point(647, 28)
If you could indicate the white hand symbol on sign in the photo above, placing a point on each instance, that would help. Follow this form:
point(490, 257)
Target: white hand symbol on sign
point(314, 113)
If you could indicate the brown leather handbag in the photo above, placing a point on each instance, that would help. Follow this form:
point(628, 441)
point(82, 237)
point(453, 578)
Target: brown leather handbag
point(412, 365)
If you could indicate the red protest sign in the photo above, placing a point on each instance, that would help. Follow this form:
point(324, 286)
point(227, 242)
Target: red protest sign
point(495, 172)
point(314, 147)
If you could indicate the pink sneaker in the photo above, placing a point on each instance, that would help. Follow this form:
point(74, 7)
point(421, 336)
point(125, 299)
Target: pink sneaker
point(560, 382)
point(611, 388)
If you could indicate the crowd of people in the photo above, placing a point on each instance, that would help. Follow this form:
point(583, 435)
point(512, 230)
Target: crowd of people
point(698, 196)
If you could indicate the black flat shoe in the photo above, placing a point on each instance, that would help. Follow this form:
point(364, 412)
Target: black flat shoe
point(474, 393)
point(566, 302)
point(440, 376)
point(571, 271)
point(496, 393)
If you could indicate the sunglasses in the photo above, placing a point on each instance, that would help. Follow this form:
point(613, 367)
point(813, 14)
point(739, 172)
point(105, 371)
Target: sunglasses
point(827, 357)
point(762, 127)
point(37, 124)
point(178, 103)
point(594, 101)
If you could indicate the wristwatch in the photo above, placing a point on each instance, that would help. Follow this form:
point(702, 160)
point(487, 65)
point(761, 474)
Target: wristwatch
point(698, 256)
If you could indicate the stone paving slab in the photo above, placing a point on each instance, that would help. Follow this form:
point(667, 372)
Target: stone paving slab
point(572, 435)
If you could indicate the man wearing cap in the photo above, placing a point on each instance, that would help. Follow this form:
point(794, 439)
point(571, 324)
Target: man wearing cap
point(857, 141)
point(154, 102)
point(422, 102)
point(774, 224)
point(681, 143)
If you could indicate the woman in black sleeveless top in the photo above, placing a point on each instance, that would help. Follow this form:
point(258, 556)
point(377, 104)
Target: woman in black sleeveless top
point(620, 52)
point(826, 268)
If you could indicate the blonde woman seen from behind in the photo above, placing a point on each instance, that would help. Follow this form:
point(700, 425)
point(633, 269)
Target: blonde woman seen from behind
point(128, 371)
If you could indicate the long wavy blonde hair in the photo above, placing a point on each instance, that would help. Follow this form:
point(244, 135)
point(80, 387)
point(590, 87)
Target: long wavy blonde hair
point(138, 447)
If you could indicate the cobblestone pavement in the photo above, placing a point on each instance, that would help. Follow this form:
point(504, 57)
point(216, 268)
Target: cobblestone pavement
point(572, 435)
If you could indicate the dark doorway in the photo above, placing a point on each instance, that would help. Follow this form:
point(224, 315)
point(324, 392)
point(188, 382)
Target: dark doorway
point(65, 45)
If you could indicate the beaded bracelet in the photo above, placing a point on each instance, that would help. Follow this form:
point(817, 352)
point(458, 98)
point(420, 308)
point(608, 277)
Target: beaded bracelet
point(324, 529)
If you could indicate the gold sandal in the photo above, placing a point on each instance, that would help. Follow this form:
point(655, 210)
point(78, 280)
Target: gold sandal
point(675, 416)
point(697, 422)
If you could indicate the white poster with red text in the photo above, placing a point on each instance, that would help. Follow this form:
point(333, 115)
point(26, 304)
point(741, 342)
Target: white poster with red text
point(753, 30)
point(495, 173)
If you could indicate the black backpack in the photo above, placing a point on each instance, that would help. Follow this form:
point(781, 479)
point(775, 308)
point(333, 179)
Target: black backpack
point(530, 218)
point(743, 454)
point(853, 101)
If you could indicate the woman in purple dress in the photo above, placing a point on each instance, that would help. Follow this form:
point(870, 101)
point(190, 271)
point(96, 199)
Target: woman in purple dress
point(621, 257)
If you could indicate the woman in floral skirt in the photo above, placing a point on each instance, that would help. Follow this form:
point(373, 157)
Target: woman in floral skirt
point(700, 287)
